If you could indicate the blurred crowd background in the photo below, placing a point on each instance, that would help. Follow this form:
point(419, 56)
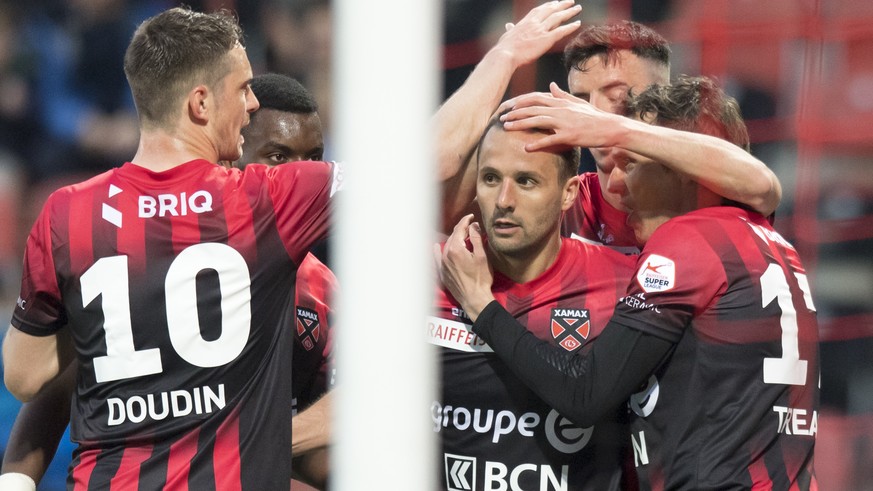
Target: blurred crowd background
point(801, 69)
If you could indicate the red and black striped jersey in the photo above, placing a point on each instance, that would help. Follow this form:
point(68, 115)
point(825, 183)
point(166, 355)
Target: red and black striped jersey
point(592, 219)
point(176, 288)
point(735, 406)
point(313, 343)
point(495, 432)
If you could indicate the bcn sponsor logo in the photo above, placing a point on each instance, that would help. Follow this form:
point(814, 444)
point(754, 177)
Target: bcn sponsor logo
point(176, 403)
point(497, 476)
point(559, 431)
point(174, 205)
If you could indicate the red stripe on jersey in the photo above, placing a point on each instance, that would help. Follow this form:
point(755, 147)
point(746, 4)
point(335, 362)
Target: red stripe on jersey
point(185, 231)
point(225, 457)
point(81, 216)
point(760, 478)
point(240, 224)
point(127, 476)
point(179, 461)
point(82, 471)
point(130, 238)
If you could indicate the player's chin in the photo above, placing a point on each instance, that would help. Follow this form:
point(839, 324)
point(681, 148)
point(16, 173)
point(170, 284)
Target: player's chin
point(231, 155)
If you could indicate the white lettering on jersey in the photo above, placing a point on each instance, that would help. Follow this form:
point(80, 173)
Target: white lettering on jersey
point(641, 452)
point(174, 205)
point(796, 421)
point(559, 431)
point(657, 274)
point(175, 404)
point(768, 235)
point(461, 475)
point(643, 402)
point(455, 335)
point(496, 477)
point(638, 301)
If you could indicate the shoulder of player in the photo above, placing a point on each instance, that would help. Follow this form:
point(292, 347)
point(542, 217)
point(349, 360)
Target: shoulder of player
point(576, 249)
point(62, 196)
point(699, 221)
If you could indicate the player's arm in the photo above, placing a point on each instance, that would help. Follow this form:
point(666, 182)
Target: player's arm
point(31, 362)
point(310, 439)
point(39, 427)
point(581, 386)
point(584, 387)
point(312, 426)
point(721, 166)
point(462, 119)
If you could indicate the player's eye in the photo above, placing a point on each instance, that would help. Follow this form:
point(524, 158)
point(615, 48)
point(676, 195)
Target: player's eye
point(278, 158)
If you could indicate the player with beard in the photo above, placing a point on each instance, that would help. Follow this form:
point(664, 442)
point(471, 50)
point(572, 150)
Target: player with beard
point(494, 430)
point(717, 324)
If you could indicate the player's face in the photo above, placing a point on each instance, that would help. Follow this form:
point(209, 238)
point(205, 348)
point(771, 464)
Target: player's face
point(652, 193)
point(275, 137)
point(519, 195)
point(606, 87)
point(234, 101)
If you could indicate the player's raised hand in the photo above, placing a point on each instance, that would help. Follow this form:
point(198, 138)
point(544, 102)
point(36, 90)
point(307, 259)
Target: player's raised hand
point(539, 30)
point(464, 268)
point(568, 120)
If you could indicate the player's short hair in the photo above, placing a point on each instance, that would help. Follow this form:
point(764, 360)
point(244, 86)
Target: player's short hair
point(609, 39)
point(694, 104)
point(283, 93)
point(568, 158)
point(172, 52)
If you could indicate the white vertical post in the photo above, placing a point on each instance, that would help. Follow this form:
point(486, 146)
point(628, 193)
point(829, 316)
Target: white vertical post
point(385, 92)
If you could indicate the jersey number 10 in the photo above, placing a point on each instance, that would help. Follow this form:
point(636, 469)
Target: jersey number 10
point(108, 277)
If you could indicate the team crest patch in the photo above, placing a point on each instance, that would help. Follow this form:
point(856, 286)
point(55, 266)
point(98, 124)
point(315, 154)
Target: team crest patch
point(570, 327)
point(657, 274)
point(308, 327)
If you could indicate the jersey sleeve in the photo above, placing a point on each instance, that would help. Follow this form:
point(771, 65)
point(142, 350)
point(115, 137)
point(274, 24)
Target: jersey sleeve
point(39, 310)
point(313, 341)
point(677, 276)
point(584, 386)
point(301, 193)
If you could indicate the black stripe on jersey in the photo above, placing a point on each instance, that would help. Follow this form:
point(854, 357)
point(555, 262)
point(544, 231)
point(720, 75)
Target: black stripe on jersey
point(105, 469)
point(156, 477)
point(202, 474)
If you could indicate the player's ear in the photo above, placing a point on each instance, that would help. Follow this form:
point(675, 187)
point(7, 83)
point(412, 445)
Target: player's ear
point(569, 193)
point(198, 109)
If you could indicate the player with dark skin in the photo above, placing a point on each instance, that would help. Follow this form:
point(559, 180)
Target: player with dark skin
point(285, 128)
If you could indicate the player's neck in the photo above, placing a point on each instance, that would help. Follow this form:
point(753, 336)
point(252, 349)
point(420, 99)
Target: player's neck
point(522, 268)
point(160, 150)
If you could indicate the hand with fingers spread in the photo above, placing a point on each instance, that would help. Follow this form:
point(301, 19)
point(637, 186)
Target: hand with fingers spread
point(569, 120)
point(465, 272)
point(539, 30)
point(461, 120)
